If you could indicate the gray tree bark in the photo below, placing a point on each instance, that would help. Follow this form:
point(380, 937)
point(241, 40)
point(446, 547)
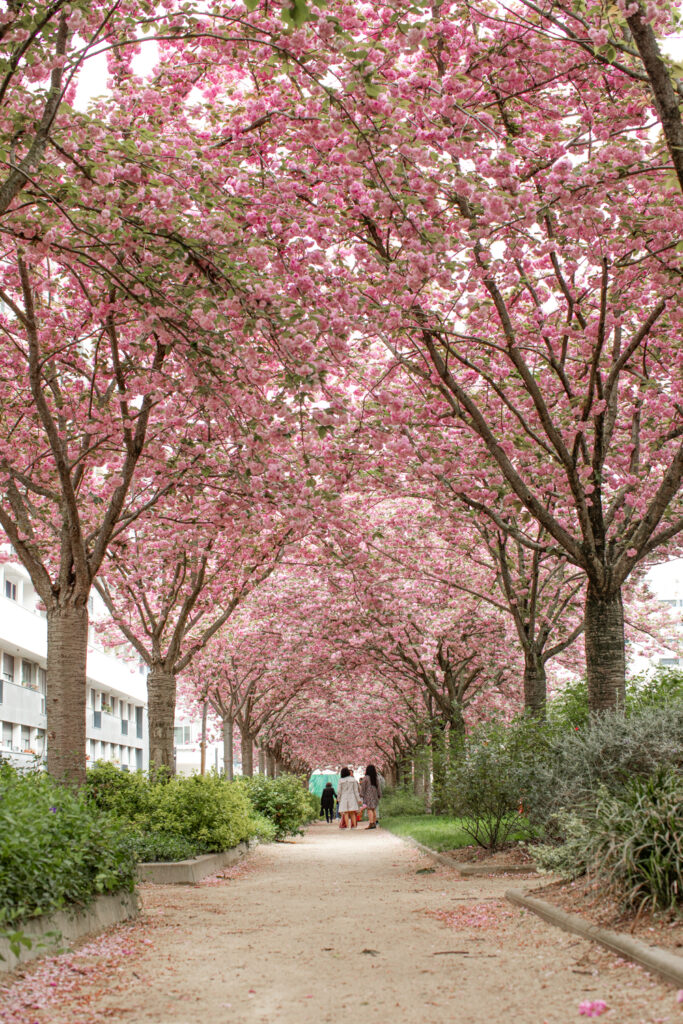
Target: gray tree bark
point(228, 725)
point(247, 755)
point(605, 656)
point(535, 683)
point(161, 696)
point(67, 642)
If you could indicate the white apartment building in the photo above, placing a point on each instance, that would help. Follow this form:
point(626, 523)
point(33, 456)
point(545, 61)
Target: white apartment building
point(666, 582)
point(116, 717)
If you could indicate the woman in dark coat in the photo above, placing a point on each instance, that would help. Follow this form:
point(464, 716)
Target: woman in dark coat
point(327, 802)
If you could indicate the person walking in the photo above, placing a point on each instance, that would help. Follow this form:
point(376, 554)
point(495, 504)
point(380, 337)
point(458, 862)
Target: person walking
point(327, 799)
point(371, 792)
point(348, 796)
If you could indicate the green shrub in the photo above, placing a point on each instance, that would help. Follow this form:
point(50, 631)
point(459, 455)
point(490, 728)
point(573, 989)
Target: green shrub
point(204, 809)
point(657, 690)
point(173, 818)
point(569, 707)
point(489, 780)
point(570, 858)
point(312, 807)
point(128, 795)
point(284, 800)
point(56, 848)
point(266, 832)
point(632, 840)
point(610, 751)
point(163, 846)
point(637, 841)
point(398, 802)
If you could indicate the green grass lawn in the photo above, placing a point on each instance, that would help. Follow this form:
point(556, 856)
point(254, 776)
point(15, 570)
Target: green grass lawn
point(437, 831)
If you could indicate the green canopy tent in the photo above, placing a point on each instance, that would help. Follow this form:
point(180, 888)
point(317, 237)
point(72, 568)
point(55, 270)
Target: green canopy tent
point(319, 780)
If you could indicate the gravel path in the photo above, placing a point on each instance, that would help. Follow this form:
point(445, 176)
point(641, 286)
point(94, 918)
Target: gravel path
point(337, 927)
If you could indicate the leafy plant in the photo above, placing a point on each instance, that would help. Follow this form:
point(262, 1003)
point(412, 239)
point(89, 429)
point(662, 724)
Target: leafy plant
point(173, 818)
point(163, 846)
point(610, 751)
point(398, 802)
point(637, 842)
point(206, 809)
point(266, 831)
point(285, 801)
point(569, 859)
point(56, 848)
point(490, 782)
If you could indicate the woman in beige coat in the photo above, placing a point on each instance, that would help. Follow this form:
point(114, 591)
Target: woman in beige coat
point(348, 798)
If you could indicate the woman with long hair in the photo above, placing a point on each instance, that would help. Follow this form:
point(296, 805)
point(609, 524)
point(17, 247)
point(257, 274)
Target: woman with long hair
point(371, 793)
point(348, 798)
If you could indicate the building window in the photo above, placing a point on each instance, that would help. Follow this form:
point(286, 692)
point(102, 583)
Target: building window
point(8, 668)
point(138, 723)
point(182, 735)
point(97, 719)
point(29, 675)
point(10, 590)
point(7, 734)
point(124, 726)
point(25, 737)
point(41, 679)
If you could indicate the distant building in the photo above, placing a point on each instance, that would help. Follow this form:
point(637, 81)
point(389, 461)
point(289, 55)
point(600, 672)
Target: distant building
point(666, 582)
point(116, 715)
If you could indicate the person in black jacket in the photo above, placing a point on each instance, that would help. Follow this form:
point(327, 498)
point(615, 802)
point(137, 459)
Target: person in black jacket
point(327, 802)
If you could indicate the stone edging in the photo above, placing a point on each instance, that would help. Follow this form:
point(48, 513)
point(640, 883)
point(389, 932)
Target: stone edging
point(189, 872)
point(653, 958)
point(470, 870)
point(68, 925)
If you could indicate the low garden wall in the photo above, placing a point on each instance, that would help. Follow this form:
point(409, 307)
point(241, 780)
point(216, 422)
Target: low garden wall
point(189, 872)
point(50, 933)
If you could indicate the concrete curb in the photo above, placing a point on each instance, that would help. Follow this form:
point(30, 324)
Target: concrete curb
point(659, 961)
point(67, 926)
point(470, 870)
point(189, 872)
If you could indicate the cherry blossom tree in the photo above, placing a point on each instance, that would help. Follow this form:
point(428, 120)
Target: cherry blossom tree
point(521, 271)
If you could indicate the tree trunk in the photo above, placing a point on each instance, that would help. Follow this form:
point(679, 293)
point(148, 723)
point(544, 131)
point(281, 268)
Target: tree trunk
point(161, 693)
point(247, 755)
point(605, 653)
point(270, 765)
point(228, 726)
point(67, 655)
point(202, 763)
point(261, 760)
point(535, 684)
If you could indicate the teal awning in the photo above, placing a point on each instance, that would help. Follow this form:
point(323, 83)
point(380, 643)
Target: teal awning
point(319, 780)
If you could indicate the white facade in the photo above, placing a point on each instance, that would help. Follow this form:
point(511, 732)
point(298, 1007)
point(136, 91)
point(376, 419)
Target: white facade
point(116, 716)
point(187, 749)
point(666, 582)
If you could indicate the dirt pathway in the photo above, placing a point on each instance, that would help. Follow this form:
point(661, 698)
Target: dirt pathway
point(336, 927)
